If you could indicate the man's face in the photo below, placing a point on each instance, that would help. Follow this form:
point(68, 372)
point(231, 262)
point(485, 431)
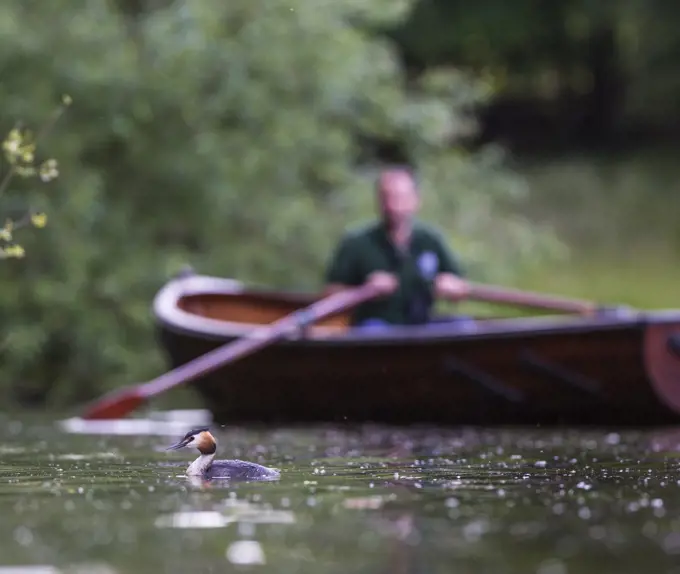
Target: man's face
point(398, 197)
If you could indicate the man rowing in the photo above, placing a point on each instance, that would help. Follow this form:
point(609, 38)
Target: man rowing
point(407, 260)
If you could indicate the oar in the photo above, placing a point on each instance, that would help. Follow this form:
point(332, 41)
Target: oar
point(494, 294)
point(120, 402)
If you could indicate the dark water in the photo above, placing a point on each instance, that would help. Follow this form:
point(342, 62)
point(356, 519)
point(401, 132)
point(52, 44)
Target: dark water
point(368, 500)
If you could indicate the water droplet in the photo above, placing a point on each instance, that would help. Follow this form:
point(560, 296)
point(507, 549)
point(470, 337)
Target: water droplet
point(245, 552)
point(23, 536)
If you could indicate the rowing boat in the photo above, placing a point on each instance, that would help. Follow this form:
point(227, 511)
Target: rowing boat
point(619, 366)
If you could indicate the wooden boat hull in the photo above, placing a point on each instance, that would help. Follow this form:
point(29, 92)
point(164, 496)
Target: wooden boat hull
point(614, 369)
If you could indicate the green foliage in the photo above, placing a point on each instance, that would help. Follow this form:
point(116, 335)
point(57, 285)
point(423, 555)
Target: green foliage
point(228, 135)
point(20, 148)
point(531, 47)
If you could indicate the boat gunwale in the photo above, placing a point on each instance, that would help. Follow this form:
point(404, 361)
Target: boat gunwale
point(171, 317)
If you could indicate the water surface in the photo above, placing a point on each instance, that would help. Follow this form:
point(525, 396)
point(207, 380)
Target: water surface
point(374, 500)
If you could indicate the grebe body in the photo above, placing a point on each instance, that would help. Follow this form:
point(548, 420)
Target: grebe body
point(206, 467)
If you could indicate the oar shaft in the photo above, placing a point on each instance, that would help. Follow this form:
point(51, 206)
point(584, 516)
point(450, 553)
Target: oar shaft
point(493, 294)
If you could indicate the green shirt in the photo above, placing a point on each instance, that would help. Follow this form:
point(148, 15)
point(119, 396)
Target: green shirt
point(368, 249)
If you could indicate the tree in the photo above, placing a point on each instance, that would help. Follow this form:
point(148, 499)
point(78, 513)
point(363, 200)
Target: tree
point(235, 136)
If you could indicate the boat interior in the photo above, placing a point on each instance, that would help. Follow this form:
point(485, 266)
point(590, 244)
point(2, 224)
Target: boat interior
point(257, 309)
point(250, 309)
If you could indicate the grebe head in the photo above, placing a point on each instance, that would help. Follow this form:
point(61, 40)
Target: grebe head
point(200, 439)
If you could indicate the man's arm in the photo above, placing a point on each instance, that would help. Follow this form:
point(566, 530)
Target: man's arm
point(449, 282)
point(448, 262)
point(341, 272)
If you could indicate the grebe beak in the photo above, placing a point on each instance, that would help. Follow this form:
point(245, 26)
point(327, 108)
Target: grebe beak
point(177, 446)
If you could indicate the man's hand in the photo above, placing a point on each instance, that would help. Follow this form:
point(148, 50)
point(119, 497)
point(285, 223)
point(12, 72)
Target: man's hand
point(452, 287)
point(385, 282)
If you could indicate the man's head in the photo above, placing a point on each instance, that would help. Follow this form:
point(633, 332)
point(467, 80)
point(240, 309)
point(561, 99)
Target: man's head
point(398, 196)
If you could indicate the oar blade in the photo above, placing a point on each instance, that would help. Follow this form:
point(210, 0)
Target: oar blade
point(115, 405)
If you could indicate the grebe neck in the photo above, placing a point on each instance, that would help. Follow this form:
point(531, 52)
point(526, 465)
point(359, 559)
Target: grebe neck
point(200, 465)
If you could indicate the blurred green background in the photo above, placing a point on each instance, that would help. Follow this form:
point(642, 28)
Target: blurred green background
point(240, 137)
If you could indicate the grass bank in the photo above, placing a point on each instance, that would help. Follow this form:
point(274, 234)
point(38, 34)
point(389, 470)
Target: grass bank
point(619, 215)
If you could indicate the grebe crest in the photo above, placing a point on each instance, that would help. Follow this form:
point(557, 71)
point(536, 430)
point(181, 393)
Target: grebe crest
point(205, 465)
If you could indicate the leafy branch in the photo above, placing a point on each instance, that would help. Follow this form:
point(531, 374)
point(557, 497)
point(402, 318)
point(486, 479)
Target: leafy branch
point(20, 148)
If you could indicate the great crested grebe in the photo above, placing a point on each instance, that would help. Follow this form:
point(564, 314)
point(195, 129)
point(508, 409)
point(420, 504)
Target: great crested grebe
point(206, 467)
